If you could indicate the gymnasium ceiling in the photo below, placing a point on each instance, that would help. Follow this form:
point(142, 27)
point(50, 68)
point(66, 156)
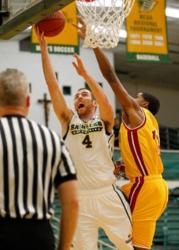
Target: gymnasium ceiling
point(166, 75)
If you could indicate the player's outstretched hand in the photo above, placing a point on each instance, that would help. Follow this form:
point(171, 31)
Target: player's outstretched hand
point(41, 38)
point(79, 66)
point(81, 27)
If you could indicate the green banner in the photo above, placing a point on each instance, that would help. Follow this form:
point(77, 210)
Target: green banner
point(57, 49)
point(141, 57)
point(146, 32)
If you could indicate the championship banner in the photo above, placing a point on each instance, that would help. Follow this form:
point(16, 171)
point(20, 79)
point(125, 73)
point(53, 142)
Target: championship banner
point(146, 32)
point(67, 41)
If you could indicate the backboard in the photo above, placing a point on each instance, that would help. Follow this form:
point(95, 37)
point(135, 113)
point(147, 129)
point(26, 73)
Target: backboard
point(17, 15)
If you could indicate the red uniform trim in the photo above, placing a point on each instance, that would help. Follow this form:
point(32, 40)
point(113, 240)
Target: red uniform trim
point(136, 151)
point(135, 190)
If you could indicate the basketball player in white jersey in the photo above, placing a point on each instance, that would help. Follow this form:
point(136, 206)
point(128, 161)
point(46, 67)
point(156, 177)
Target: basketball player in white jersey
point(88, 139)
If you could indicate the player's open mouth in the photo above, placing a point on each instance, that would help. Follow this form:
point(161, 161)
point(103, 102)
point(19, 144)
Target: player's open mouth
point(81, 105)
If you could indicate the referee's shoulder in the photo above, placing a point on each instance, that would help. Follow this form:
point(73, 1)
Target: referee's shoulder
point(44, 128)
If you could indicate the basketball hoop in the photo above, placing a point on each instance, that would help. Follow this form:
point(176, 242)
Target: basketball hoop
point(103, 19)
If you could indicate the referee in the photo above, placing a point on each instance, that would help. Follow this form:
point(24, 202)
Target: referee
point(33, 162)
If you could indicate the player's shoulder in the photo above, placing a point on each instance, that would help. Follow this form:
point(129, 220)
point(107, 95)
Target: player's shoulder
point(151, 117)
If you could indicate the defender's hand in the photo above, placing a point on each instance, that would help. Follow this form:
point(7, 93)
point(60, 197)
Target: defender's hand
point(81, 27)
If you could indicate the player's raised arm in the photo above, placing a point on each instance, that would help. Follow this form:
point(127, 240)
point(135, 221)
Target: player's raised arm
point(128, 103)
point(109, 74)
point(132, 111)
point(105, 107)
point(60, 105)
point(107, 70)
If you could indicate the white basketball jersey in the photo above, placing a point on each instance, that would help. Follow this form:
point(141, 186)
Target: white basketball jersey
point(91, 150)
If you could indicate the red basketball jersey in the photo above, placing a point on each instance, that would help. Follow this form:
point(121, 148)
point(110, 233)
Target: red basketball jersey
point(140, 148)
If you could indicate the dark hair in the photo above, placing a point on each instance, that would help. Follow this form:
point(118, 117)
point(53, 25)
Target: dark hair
point(154, 103)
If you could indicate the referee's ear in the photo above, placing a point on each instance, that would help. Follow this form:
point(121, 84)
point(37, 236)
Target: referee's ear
point(28, 101)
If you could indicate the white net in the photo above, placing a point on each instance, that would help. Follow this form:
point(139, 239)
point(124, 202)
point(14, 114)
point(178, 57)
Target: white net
point(103, 19)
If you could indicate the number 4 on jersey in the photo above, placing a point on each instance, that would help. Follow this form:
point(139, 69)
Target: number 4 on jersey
point(87, 142)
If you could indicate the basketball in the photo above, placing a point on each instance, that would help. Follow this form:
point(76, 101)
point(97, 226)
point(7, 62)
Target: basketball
point(52, 24)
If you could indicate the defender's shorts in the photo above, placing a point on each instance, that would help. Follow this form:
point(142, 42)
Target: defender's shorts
point(148, 197)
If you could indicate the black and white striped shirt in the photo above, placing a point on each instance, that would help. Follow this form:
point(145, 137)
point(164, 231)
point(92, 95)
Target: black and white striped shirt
point(33, 161)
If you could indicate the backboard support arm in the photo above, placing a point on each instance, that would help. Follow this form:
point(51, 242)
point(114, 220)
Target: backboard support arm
point(13, 25)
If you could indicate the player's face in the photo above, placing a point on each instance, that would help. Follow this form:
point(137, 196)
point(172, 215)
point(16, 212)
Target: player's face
point(84, 103)
point(140, 100)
